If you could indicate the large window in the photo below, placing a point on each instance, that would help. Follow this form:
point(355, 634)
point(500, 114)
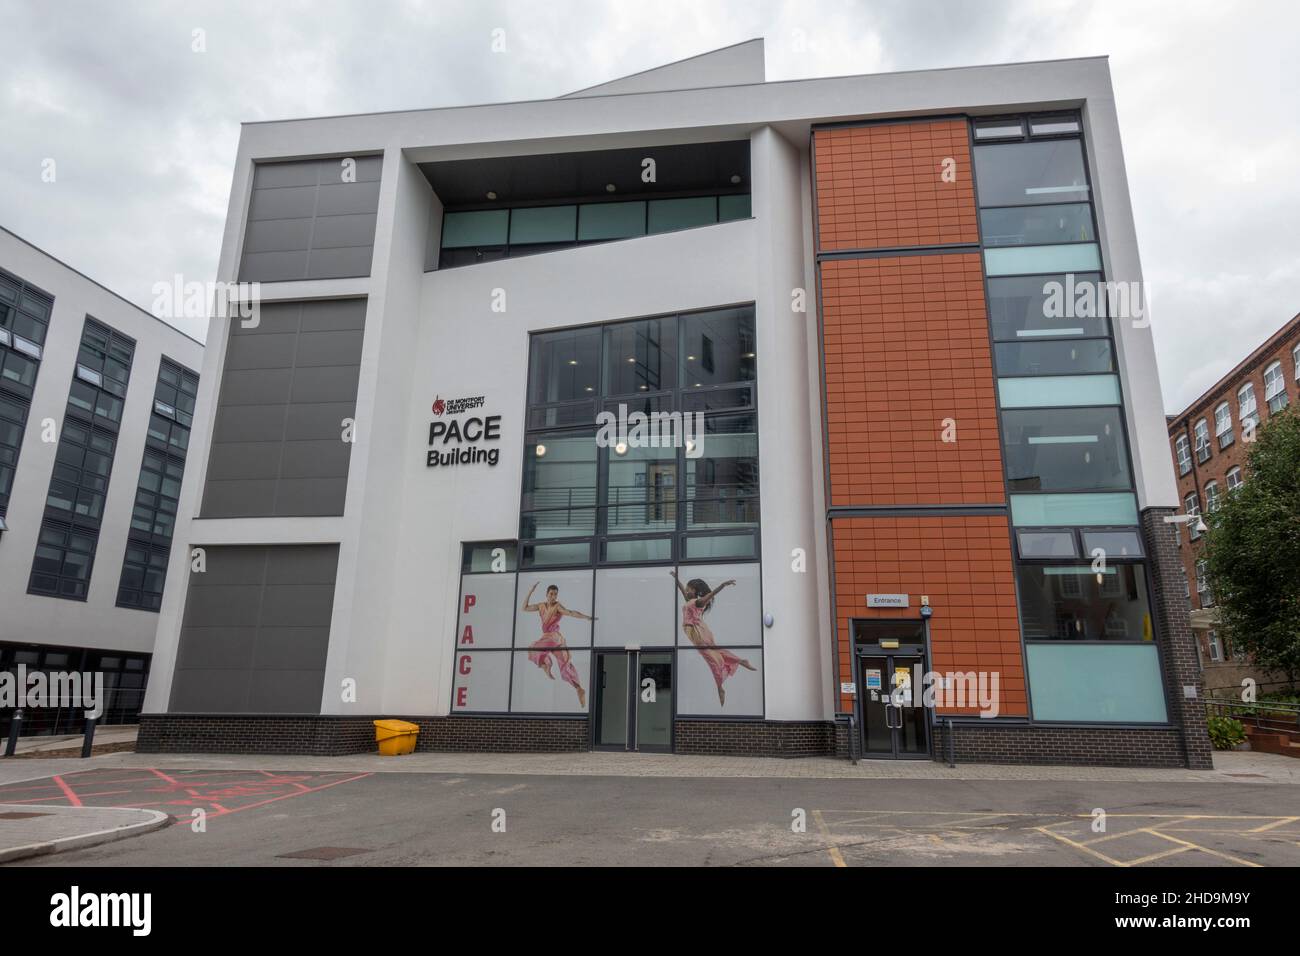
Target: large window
point(595, 495)
point(74, 504)
point(1202, 433)
point(1065, 449)
point(481, 235)
point(1192, 507)
point(1068, 473)
point(1079, 604)
point(1182, 451)
point(1246, 409)
point(1275, 388)
point(24, 317)
point(157, 495)
point(1223, 424)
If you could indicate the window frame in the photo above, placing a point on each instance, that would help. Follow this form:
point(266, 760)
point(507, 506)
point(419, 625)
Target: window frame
point(1223, 430)
point(1201, 440)
point(1279, 399)
point(673, 400)
point(1183, 454)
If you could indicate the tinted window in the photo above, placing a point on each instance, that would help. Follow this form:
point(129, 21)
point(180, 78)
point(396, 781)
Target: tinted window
point(1070, 603)
point(1054, 358)
point(1036, 225)
point(1060, 305)
point(564, 366)
point(640, 356)
point(719, 347)
point(1075, 449)
point(1016, 174)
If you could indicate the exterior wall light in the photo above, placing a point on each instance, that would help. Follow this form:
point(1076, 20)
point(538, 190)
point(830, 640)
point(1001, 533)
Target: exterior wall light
point(540, 450)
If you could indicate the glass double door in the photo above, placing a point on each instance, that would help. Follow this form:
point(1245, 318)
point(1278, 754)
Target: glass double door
point(633, 708)
point(894, 719)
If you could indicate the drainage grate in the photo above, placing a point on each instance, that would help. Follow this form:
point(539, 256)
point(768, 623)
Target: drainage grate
point(16, 815)
point(1259, 775)
point(322, 853)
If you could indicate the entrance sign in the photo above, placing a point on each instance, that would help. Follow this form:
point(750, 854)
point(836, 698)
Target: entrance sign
point(887, 600)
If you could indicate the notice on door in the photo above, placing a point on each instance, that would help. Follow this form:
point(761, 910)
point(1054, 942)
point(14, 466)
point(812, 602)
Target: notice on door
point(872, 679)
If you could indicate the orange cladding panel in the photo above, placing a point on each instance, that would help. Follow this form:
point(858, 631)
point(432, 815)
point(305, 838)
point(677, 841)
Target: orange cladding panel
point(894, 184)
point(963, 564)
point(911, 410)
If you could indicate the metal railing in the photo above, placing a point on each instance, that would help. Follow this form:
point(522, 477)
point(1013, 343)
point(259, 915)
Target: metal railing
point(1263, 714)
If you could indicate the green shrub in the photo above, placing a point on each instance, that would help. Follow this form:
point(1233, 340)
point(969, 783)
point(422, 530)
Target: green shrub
point(1225, 733)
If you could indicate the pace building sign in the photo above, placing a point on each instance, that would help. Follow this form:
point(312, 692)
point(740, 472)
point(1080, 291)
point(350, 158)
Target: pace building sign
point(462, 441)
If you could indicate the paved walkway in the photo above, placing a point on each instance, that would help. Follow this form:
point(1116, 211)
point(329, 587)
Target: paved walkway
point(1230, 767)
point(115, 735)
point(27, 830)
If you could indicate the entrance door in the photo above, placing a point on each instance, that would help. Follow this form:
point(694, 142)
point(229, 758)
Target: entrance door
point(633, 706)
point(894, 721)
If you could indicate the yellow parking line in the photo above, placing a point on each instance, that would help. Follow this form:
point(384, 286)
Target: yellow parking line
point(1269, 826)
point(1158, 856)
point(833, 850)
point(1079, 846)
point(1205, 849)
point(1122, 833)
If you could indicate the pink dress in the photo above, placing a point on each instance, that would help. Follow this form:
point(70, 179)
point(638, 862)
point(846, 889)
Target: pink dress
point(722, 663)
point(540, 650)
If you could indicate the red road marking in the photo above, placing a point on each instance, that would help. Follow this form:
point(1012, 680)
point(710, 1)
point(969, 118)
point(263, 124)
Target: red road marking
point(284, 796)
point(159, 773)
point(68, 792)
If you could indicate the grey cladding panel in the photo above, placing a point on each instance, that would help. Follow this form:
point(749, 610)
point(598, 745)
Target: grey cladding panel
point(256, 630)
point(306, 221)
point(286, 388)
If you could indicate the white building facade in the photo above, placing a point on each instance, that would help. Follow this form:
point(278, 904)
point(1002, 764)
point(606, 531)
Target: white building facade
point(398, 502)
point(96, 400)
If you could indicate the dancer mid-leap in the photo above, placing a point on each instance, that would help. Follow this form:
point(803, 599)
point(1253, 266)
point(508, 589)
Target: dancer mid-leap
point(552, 641)
point(698, 599)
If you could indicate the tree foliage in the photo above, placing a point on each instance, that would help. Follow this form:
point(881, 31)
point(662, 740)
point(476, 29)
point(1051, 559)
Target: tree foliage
point(1252, 551)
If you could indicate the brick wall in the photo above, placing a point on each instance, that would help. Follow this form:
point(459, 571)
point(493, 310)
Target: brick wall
point(1223, 460)
point(1173, 634)
point(884, 185)
point(963, 564)
point(1077, 746)
point(325, 735)
point(754, 738)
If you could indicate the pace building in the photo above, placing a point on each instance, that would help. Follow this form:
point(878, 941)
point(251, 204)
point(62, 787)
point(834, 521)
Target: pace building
point(688, 413)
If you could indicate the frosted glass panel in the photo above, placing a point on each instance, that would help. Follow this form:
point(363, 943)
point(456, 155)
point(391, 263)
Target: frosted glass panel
point(483, 228)
point(1117, 683)
point(1053, 390)
point(611, 220)
point(1025, 260)
point(1087, 509)
point(543, 224)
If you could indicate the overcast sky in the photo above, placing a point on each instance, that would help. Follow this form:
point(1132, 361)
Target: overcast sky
point(143, 130)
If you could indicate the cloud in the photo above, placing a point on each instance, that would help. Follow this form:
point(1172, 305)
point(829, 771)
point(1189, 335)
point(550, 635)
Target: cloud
point(144, 129)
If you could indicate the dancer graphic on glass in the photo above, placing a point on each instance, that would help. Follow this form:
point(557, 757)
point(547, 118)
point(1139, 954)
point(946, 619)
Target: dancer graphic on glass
point(697, 600)
point(551, 643)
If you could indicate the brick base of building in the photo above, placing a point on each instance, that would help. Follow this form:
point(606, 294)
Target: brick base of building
point(754, 738)
point(325, 736)
point(331, 736)
point(1074, 746)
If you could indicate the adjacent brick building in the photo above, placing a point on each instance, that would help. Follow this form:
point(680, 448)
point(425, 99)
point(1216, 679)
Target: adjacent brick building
point(1210, 441)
